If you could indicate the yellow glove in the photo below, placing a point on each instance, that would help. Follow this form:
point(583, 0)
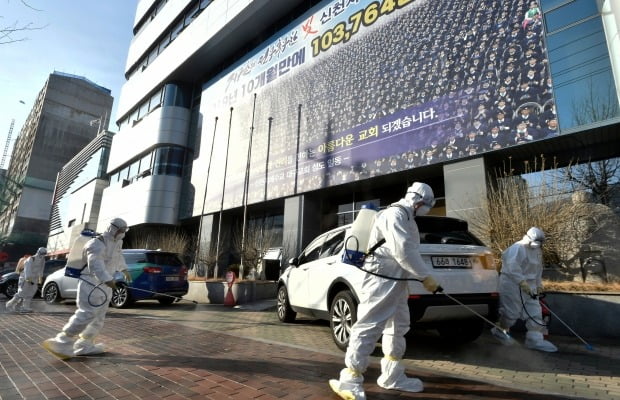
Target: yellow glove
point(525, 288)
point(540, 289)
point(127, 275)
point(431, 284)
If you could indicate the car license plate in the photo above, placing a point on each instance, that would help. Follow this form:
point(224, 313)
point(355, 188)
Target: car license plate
point(172, 278)
point(451, 262)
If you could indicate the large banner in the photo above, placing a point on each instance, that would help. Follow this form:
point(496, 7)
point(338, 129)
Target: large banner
point(356, 89)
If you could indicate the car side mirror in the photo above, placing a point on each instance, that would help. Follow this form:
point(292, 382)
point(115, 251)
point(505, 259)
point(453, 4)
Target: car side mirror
point(294, 261)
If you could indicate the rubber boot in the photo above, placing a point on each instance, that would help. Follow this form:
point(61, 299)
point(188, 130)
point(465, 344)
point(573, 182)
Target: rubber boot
point(61, 346)
point(349, 386)
point(12, 304)
point(393, 377)
point(536, 341)
point(86, 346)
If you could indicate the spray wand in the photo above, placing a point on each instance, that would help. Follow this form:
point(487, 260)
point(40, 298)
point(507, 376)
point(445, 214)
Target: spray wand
point(588, 345)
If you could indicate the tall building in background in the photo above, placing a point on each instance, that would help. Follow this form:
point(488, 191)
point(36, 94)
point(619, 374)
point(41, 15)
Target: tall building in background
point(77, 195)
point(285, 116)
point(67, 115)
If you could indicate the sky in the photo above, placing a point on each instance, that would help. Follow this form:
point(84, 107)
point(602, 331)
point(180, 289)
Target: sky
point(88, 38)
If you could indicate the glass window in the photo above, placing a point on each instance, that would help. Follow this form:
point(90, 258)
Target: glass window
point(145, 163)
point(570, 13)
point(134, 116)
point(169, 161)
point(144, 110)
point(582, 76)
point(333, 244)
point(547, 5)
point(123, 173)
point(152, 55)
point(170, 259)
point(155, 100)
point(191, 14)
point(174, 95)
point(165, 41)
point(312, 251)
point(176, 30)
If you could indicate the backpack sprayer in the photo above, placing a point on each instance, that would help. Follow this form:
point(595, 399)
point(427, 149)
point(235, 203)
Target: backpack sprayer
point(359, 238)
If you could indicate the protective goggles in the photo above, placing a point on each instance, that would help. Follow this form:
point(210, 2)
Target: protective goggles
point(120, 230)
point(431, 203)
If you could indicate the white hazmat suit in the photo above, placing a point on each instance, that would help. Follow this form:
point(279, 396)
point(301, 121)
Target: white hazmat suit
point(520, 279)
point(28, 282)
point(383, 308)
point(103, 257)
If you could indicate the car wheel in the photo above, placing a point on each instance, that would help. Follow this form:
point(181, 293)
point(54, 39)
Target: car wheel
point(11, 289)
point(343, 314)
point(285, 312)
point(120, 296)
point(461, 332)
point(52, 293)
point(166, 301)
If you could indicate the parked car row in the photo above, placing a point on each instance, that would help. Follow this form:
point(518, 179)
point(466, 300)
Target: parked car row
point(319, 284)
point(8, 281)
point(155, 275)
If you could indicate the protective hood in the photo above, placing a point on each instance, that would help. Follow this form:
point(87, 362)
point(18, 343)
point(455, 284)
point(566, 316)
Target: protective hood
point(420, 192)
point(116, 229)
point(535, 237)
point(42, 251)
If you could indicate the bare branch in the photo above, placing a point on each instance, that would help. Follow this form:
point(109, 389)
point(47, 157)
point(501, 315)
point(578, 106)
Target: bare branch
point(13, 33)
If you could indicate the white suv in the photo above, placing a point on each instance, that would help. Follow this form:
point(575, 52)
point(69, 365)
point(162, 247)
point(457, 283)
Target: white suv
point(319, 284)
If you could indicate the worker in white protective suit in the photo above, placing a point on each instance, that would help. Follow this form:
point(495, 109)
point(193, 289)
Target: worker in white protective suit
point(103, 257)
point(28, 282)
point(383, 308)
point(520, 281)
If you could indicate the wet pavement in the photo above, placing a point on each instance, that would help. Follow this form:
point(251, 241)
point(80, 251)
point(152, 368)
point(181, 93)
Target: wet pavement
point(187, 351)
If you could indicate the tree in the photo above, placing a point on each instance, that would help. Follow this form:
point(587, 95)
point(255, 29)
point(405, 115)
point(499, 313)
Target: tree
point(597, 177)
point(513, 205)
point(251, 248)
point(594, 105)
point(12, 32)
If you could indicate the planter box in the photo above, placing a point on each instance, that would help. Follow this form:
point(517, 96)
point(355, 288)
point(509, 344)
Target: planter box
point(593, 315)
point(214, 292)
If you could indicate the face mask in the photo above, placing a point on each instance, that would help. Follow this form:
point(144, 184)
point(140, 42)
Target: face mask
point(119, 235)
point(535, 245)
point(422, 210)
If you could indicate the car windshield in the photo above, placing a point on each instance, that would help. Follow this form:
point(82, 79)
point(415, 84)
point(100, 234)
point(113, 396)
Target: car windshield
point(435, 230)
point(163, 259)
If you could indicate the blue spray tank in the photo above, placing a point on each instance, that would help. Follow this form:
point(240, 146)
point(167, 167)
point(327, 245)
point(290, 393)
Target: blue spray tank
point(356, 243)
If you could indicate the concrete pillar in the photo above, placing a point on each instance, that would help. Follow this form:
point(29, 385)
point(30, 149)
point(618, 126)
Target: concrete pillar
point(302, 223)
point(465, 185)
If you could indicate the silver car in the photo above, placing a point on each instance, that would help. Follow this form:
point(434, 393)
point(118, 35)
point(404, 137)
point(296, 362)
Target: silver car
point(319, 284)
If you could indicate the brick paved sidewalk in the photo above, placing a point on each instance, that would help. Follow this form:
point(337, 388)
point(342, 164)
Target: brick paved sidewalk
point(160, 359)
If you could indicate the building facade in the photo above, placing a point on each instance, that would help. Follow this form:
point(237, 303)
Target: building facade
point(287, 115)
point(77, 194)
point(57, 128)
